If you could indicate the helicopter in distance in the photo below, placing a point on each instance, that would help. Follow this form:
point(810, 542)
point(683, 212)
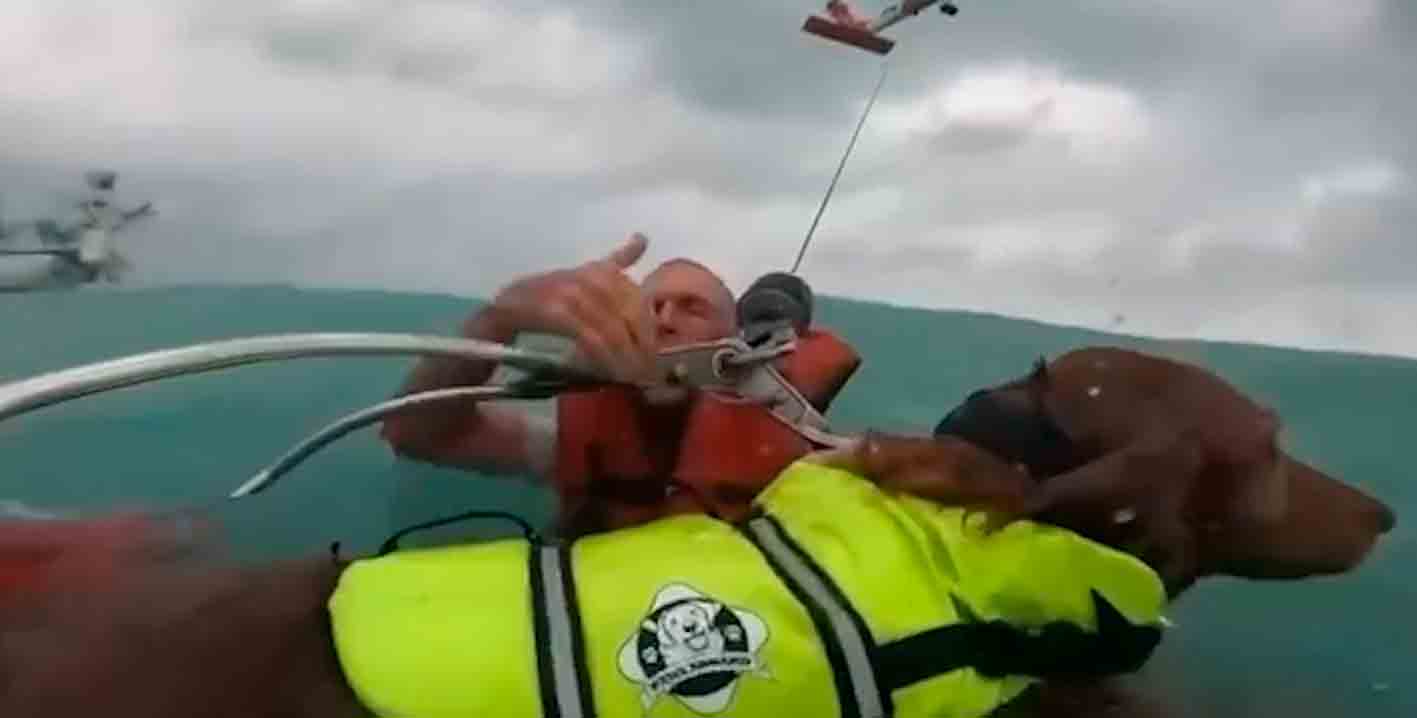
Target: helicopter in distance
point(843, 23)
point(70, 254)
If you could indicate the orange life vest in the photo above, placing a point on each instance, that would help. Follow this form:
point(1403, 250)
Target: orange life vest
point(621, 461)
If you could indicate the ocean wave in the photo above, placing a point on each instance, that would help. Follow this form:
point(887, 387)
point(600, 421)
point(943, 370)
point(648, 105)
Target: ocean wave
point(16, 509)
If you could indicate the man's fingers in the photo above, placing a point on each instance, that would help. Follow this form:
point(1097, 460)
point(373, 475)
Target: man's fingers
point(631, 362)
point(638, 316)
point(643, 347)
point(567, 317)
point(608, 313)
point(604, 335)
point(629, 252)
point(622, 300)
point(597, 351)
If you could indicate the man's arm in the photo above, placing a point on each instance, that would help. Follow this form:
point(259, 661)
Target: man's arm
point(595, 305)
point(471, 435)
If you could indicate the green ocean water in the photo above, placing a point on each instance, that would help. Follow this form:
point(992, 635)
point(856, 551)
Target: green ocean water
point(1343, 646)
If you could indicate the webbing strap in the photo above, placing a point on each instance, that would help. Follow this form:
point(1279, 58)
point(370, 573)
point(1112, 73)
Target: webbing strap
point(560, 650)
point(996, 649)
point(849, 646)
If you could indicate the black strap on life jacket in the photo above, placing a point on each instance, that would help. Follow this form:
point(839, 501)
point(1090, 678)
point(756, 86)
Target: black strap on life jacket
point(561, 670)
point(996, 649)
point(560, 642)
point(848, 643)
point(391, 544)
point(867, 673)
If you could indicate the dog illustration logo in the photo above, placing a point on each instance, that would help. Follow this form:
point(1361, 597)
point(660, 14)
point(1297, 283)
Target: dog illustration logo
point(694, 648)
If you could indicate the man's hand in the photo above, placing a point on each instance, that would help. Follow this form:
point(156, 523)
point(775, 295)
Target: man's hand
point(595, 305)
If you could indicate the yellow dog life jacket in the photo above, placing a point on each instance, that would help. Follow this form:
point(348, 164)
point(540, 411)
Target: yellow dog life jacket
point(836, 599)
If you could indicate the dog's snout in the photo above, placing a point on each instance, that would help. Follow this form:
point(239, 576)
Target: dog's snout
point(1384, 517)
point(1371, 512)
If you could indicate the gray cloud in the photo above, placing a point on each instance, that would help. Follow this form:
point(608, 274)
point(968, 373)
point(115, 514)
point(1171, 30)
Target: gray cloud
point(1192, 166)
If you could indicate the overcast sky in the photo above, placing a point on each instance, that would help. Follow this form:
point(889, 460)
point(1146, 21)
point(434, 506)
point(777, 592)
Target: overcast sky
point(1232, 170)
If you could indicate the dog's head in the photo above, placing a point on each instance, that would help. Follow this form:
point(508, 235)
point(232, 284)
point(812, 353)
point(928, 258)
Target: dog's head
point(1252, 511)
point(687, 624)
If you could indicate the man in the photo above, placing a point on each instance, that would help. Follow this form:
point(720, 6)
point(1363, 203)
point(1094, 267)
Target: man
point(618, 325)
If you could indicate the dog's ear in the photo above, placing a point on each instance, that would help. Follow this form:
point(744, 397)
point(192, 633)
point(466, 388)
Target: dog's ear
point(1039, 373)
point(1038, 382)
point(716, 612)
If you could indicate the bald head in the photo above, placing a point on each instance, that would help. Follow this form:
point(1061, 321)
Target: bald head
point(690, 302)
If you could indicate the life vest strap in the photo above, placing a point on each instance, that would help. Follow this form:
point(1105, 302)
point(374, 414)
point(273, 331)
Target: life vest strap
point(560, 643)
point(867, 674)
point(995, 648)
point(848, 643)
point(391, 544)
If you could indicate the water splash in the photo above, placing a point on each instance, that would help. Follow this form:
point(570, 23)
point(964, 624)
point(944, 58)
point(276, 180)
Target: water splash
point(16, 509)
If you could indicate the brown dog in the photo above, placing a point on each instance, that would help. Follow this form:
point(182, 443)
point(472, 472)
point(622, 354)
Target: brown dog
point(182, 636)
point(1139, 452)
point(1171, 462)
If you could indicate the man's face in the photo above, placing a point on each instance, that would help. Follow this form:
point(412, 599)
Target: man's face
point(689, 305)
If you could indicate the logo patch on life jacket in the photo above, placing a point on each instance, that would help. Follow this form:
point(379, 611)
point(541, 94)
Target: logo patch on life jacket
point(694, 648)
